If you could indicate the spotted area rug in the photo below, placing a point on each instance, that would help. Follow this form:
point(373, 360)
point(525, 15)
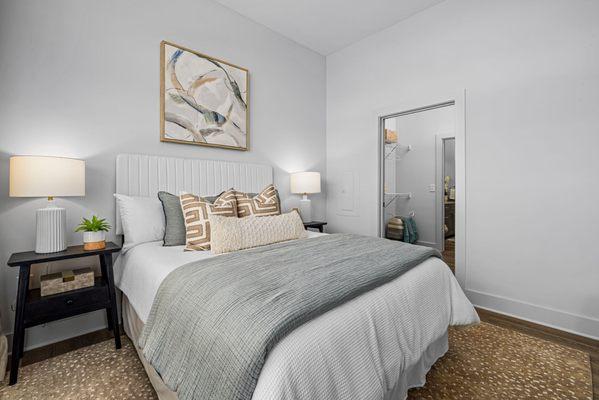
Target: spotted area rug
point(95, 372)
point(483, 362)
point(494, 363)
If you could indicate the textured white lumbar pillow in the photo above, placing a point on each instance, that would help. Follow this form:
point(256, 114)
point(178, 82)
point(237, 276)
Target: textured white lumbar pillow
point(231, 234)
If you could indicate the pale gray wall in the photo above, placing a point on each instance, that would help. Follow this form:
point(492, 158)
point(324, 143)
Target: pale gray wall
point(530, 70)
point(81, 79)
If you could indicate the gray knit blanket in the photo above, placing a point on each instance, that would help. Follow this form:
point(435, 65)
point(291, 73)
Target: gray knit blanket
point(214, 321)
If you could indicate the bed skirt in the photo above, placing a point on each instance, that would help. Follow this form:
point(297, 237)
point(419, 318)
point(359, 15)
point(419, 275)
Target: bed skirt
point(414, 376)
point(133, 326)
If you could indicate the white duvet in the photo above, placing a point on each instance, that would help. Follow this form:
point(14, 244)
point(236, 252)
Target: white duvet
point(355, 351)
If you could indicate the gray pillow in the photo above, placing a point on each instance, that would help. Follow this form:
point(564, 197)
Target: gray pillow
point(174, 232)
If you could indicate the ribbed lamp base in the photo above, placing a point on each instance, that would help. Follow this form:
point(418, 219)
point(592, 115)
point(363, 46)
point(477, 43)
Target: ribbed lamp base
point(51, 230)
point(305, 207)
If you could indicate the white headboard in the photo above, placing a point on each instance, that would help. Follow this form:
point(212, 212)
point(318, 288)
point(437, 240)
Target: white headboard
point(145, 175)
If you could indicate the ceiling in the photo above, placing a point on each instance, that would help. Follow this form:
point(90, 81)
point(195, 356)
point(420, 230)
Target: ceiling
point(326, 26)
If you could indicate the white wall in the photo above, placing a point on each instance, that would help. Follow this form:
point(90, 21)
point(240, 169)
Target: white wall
point(81, 79)
point(531, 74)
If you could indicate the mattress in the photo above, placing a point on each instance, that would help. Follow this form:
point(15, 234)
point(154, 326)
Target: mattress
point(364, 349)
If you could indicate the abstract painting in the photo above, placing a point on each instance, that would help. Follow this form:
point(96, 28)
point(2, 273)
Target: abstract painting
point(203, 100)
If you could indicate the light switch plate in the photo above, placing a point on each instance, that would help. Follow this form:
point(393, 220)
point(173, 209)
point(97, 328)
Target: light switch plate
point(347, 192)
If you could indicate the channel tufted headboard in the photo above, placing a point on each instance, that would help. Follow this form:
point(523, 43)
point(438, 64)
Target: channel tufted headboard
point(146, 175)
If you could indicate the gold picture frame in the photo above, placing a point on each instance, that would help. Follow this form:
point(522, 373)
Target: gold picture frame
point(190, 113)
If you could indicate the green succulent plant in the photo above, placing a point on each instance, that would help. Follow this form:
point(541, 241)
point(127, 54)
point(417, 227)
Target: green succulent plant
point(93, 225)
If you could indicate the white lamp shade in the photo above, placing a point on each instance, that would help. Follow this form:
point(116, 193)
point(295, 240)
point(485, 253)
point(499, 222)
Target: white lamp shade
point(40, 176)
point(305, 182)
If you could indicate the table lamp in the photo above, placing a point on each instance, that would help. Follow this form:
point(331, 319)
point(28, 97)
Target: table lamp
point(305, 183)
point(40, 176)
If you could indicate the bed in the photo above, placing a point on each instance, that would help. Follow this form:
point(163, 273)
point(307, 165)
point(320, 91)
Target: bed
point(374, 346)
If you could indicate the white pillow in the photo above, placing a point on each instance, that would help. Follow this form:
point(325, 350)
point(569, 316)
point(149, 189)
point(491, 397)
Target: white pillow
point(142, 219)
point(230, 234)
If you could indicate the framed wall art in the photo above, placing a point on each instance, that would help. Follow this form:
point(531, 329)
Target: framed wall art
point(203, 100)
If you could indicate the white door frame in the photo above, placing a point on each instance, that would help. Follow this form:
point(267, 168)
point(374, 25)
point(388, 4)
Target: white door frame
point(419, 103)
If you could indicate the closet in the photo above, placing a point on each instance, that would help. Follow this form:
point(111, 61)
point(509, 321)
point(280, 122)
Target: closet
point(418, 176)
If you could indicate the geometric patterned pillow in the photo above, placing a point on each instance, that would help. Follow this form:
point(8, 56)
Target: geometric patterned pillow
point(196, 212)
point(263, 204)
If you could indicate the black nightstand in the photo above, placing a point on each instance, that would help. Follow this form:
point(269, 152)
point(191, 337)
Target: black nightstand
point(32, 309)
point(315, 225)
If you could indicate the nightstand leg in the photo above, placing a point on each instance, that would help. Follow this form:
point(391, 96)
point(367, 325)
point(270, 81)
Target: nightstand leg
point(107, 261)
point(19, 331)
point(105, 275)
point(22, 347)
point(109, 318)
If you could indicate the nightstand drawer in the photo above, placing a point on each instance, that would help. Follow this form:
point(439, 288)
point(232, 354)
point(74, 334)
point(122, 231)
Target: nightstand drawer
point(63, 305)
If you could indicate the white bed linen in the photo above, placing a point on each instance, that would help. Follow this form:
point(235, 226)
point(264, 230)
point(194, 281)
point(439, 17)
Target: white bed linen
point(358, 350)
point(140, 270)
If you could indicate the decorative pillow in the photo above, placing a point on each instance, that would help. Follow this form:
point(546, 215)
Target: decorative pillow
point(231, 234)
point(174, 232)
point(142, 218)
point(263, 204)
point(196, 212)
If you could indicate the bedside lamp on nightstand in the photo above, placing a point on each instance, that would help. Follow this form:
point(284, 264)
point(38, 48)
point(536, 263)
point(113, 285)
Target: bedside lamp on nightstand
point(39, 176)
point(305, 183)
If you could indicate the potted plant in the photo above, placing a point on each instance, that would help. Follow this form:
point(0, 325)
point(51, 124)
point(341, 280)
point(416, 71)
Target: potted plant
point(94, 232)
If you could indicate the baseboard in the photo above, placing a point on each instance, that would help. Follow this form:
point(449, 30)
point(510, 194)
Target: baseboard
point(60, 330)
point(558, 319)
point(52, 341)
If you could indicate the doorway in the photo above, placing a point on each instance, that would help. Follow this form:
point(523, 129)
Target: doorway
point(446, 200)
point(418, 177)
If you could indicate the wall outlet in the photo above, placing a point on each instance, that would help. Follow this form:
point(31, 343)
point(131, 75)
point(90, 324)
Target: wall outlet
point(432, 188)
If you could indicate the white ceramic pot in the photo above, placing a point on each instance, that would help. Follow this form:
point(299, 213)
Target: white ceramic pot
point(94, 240)
point(91, 237)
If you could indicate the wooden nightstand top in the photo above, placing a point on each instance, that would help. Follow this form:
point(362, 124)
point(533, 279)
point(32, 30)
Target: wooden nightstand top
point(314, 224)
point(31, 257)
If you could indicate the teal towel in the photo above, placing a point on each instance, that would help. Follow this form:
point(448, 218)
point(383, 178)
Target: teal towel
point(410, 233)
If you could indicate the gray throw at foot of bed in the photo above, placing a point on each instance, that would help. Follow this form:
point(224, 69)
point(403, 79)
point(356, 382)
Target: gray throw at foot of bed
point(214, 321)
